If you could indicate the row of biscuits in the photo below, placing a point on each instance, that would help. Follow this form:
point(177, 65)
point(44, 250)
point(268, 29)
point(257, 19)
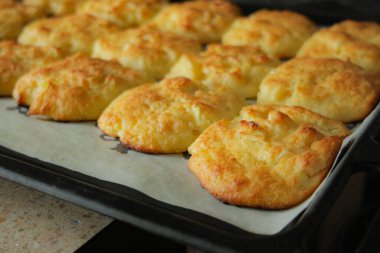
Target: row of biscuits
point(269, 156)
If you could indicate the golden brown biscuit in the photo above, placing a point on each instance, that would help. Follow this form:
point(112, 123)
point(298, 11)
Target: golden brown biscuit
point(166, 117)
point(11, 19)
point(357, 42)
point(240, 68)
point(277, 33)
point(13, 16)
point(334, 88)
point(57, 7)
point(146, 49)
point(202, 20)
point(75, 89)
point(72, 34)
point(16, 60)
point(270, 157)
point(124, 13)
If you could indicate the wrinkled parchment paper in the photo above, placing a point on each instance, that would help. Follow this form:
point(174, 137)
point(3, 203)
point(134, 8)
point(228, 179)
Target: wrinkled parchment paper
point(79, 147)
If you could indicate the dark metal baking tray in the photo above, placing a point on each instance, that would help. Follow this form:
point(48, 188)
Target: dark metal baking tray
point(187, 226)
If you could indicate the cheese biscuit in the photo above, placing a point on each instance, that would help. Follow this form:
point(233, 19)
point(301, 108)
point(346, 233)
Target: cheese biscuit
point(336, 89)
point(277, 33)
point(13, 17)
point(74, 89)
point(124, 13)
point(72, 34)
point(57, 7)
point(239, 68)
point(357, 42)
point(202, 20)
point(166, 117)
point(146, 49)
point(270, 156)
point(16, 60)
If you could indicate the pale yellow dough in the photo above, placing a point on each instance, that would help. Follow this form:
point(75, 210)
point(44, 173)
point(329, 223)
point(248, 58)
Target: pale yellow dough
point(146, 49)
point(239, 68)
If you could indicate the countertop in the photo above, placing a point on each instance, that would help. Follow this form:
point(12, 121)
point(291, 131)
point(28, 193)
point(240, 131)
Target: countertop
point(31, 221)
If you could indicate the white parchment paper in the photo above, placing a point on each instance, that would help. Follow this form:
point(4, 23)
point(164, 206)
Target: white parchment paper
point(78, 147)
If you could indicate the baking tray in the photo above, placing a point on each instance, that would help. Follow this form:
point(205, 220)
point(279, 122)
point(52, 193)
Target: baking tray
point(186, 226)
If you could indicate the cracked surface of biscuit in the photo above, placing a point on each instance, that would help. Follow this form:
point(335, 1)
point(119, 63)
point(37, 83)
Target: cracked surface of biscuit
point(166, 117)
point(271, 157)
point(16, 60)
point(56, 7)
point(74, 89)
point(72, 34)
point(124, 13)
point(13, 16)
point(354, 41)
point(239, 68)
point(202, 20)
point(277, 33)
point(146, 48)
point(331, 87)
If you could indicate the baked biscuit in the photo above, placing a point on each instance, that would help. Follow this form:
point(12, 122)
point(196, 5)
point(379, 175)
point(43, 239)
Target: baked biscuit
point(277, 33)
point(16, 60)
point(357, 42)
point(13, 16)
point(125, 13)
point(166, 117)
point(202, 20)
point(146, 49)
point(57, 7)
point(336, 89)
point(240, 68)
point(271, 157)
point(75, 89)
point(75, 33)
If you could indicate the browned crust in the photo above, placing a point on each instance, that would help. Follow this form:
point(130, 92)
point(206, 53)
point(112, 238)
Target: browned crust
point(219, 156)
point(277, 33)
point(77, 88)
point(353, 41)
point(202, 20)
point(72, 33)
point(232, 196)
point(166, 117)
point(334, 88)
point(16, 60)
point(239, 68)
point(138, 11)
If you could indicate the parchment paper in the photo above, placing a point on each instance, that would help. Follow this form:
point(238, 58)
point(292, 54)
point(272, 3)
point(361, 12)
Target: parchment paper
point(78, 147)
